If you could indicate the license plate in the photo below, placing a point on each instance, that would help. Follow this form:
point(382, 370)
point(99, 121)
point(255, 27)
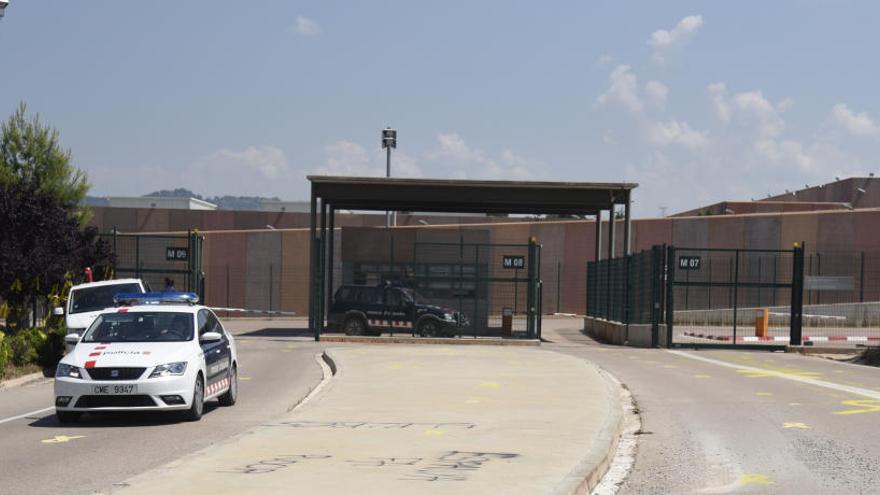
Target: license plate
point(114, 389)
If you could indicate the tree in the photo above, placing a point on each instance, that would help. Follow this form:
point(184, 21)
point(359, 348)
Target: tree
point(42, 238)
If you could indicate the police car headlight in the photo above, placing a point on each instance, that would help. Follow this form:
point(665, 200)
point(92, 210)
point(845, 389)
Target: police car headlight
point(170, 369)
point(449, 316)
point(67, 371)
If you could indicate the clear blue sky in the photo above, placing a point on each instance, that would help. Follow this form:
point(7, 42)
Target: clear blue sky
point(697, 101)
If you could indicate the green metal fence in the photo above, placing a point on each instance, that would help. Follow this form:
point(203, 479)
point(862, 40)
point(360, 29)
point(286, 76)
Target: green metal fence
point(155, 258)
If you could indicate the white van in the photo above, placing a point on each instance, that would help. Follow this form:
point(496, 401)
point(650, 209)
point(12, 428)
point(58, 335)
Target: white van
point(86, 301)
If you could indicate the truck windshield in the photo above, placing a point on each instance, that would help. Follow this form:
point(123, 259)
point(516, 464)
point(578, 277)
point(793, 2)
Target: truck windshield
point(98, 298)
point(141, 326)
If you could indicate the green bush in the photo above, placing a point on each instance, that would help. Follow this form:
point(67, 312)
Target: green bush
point(26, 345)
point(33, 346)
point(4, 354)
point(52, 349)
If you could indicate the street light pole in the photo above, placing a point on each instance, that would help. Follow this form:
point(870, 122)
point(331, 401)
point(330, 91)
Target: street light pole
point(3, 5)
point(389, 140)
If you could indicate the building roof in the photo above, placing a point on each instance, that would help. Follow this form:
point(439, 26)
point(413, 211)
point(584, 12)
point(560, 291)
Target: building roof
point(471, 196)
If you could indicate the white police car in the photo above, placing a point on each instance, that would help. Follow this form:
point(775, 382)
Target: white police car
point(155, 351)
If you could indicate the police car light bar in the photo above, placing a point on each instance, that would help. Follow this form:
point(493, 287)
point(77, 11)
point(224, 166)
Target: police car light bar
point(132, 298)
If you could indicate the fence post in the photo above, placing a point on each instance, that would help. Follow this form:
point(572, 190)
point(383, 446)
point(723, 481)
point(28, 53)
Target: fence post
point(532, 291)
point(862, 278)
point(797, 295)
point(558, 285)
point(735, 292)
point(137, 256)
point(627, 304)
point(670, 291)
point(271, 284)
point(656, 298)
point(116, 251)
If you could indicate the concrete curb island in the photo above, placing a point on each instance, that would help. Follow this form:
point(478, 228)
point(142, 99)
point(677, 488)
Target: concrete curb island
point(421, 419)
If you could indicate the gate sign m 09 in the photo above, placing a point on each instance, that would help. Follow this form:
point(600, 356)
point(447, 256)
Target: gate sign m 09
point(689, 262)
point(513, 262)
point(176, 253)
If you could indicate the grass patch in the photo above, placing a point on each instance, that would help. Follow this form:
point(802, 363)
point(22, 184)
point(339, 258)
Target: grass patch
point(18, 371)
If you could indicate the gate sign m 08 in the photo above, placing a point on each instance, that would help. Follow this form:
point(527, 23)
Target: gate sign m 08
point(514, 262)
point(689, 262)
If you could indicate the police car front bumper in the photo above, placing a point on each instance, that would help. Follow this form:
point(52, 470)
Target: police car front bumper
point(153, 394)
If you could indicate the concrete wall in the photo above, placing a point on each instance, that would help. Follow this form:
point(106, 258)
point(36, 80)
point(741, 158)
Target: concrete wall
point(238, 245)
point(612, 332)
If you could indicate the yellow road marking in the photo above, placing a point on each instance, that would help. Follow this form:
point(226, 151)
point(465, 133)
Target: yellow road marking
point(754, 479)
point(794, 403)
point(670, 366)
point(286, 350)
point(490, 384)
point(477, 400)
point(702, 376)
point(244, 378)
point(801, 426)
point(395, 366)
point(763, 394)
point(62, 438)
point(863, 406)
point(434, 432)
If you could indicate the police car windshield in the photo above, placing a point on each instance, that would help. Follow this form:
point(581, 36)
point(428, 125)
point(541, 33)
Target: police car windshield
point(141, 326)
point(98, 298)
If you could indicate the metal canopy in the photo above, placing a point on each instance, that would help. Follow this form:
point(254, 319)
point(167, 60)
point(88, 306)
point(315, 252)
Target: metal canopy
point(330, 194)
point(469, 196)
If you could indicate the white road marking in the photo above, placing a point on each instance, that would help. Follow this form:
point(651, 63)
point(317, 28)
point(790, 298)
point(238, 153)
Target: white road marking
point(38, 411)
point(864, 392)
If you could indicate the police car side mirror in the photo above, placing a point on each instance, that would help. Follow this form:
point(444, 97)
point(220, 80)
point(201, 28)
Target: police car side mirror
point(210, 337)
point(71, 338)
point(59, 311)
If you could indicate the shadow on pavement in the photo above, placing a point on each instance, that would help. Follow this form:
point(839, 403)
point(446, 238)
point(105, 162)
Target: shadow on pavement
point(278, 332)
point(119, 419)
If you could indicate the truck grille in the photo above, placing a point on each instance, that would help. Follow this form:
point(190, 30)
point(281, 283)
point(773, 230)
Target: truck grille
point(121, 373)
point(115, 401)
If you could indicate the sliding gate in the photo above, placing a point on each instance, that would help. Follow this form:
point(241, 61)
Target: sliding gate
point(720, 296)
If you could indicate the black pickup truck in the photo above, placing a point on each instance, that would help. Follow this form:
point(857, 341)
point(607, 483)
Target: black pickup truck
point(371, 310)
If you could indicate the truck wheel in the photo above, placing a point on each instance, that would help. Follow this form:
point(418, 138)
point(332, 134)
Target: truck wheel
point(429, 328)
point(354, 326)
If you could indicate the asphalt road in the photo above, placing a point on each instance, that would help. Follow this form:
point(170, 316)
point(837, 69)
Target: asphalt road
point(716, 421)
point(38, 455)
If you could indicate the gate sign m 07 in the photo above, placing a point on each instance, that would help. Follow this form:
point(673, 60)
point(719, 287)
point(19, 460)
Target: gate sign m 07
point(689, 262)
point(176, 253)
point(514, 262)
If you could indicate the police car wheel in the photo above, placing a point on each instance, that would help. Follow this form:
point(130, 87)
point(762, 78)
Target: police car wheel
point(429, 328)
point(354, 326)
point(194, 413)
point(68, 416)
point(231, 395)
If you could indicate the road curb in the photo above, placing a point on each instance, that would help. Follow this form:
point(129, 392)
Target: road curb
point(592, 468)
point(351, 339)
point(823, 350)
point(23, 380)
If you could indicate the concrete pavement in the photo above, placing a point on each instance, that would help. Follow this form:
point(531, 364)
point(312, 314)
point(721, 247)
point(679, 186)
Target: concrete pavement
point(420, 419)
point(723, 421)
point(40, 456)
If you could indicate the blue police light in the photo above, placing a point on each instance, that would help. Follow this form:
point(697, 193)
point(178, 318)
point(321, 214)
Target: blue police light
point(132, 298)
